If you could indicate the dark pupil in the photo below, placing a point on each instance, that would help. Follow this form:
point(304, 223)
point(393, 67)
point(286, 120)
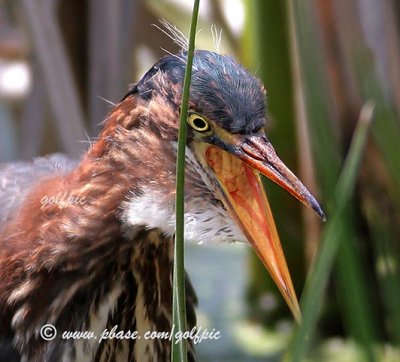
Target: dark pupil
point(199, 123)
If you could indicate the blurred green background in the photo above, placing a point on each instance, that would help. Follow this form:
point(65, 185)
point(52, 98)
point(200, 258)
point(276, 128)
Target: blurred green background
point(326, 65)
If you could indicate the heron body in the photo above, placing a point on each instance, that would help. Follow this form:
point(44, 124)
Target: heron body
point(106, 260)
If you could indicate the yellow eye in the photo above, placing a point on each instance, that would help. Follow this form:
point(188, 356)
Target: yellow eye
point(198, 123)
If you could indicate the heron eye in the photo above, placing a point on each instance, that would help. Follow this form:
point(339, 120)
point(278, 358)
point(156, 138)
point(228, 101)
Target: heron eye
point(198, 123)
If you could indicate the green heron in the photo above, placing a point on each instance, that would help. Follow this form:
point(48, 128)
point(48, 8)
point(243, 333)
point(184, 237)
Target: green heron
point(89, 246)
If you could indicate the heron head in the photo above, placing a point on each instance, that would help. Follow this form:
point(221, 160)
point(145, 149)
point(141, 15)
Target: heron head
point(227, 153)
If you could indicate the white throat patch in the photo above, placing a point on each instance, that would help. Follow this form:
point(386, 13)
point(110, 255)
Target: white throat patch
point(204, 221)
point(201, 225)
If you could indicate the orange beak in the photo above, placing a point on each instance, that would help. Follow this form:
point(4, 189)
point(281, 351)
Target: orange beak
point(238, 173)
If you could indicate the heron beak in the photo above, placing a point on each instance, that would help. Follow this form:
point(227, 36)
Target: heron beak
point(238, 173)
point(257, 152)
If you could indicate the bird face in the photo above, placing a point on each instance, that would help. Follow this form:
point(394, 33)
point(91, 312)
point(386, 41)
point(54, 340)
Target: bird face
point(227, 152)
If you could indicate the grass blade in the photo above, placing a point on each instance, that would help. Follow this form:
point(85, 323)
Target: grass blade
point(179, 347)
point(318, 277)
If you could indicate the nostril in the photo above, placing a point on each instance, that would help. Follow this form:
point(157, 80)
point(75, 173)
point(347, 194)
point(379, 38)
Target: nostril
point(252, 151)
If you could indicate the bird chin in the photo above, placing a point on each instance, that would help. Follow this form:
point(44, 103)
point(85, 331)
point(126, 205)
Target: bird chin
point(204, 222)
